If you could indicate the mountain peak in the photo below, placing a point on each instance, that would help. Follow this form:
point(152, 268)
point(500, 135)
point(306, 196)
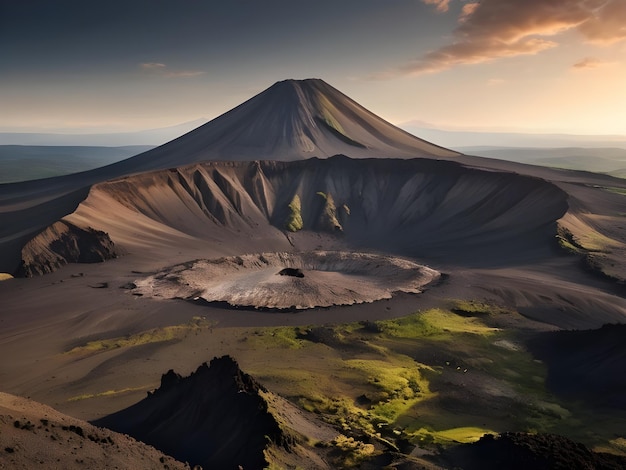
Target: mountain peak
point(291, 120)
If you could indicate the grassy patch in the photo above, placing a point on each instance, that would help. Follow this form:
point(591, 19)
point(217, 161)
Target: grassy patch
point(450, 436)
point(399, 385)
point(108, 393)
point(434, 324)
point(475, 307)
point(154, 335)
point(294, 219)
point(328, 218)
point(350, 452)
point(281, 338)
point(431, 378)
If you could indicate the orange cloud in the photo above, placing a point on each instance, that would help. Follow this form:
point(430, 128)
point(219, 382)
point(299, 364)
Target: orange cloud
point(467, 11)
point(589, 63)
point(442, 5)
point(607, 25)
point(495, 29)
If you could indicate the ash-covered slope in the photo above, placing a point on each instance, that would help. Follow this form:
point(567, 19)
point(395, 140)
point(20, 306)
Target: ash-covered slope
point(291, 120)
point(218, 417)
point(33, 435)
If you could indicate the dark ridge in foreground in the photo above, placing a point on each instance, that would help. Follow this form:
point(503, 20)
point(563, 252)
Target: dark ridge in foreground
point(215, 418)
point(589, 365)
point(522, 451)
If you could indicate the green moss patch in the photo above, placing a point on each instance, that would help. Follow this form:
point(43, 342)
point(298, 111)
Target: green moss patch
point(294, 220)
point(154, 335)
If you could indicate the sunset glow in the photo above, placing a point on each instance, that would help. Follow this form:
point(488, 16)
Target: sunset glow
point(536, 65)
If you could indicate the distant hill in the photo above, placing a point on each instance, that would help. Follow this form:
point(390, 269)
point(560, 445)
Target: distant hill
point(28, 162)
point(463, 139)
point(150, 137)
point(599, 160)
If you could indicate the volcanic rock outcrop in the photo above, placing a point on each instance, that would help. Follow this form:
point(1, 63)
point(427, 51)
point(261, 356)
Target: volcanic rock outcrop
point(521, 451)
point(62, 243)
point(218, 417)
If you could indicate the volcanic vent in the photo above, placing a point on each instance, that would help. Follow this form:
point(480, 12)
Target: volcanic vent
point(290, 280)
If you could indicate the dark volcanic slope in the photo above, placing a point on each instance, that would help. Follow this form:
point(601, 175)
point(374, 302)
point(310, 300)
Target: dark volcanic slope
point(434, 209)
point(521, 451)
point(291, 120)
point(216, 418)
point(588, 365)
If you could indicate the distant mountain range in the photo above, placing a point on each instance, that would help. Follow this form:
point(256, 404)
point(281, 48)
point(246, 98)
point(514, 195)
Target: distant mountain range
point(28, 162)
point(51, 154)
point(470, 139)
point(150, 137)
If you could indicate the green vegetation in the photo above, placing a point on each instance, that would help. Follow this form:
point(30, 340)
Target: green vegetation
point(474, 307)
point(328, 217)
point(294, 219)
point(281, 337)
point(566, 241)
point(434, 324)
point(431, 378)
point(450, 436)
point(351, 452)
point(588, 241)
point(108, 393)
point(155, 335)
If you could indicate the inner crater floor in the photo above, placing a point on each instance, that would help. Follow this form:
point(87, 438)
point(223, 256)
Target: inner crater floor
point(289, 281)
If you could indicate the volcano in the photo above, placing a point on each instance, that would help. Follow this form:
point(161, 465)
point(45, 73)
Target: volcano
point(291, 120)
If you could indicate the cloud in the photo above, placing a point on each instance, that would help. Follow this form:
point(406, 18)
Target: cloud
point(152, 66)
point(494, 29)
point(607, 25)
point(467, 11)
point(589, 63)
point(162, 70)
point(442, 5)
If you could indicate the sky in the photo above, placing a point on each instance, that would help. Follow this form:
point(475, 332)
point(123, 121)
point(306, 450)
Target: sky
point(492, 65)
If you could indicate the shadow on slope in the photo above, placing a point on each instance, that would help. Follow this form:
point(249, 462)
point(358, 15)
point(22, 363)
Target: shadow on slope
point(588, 365)
point(520, 451)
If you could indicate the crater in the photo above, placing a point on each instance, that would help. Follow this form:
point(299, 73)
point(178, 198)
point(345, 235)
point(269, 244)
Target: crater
point(289, 281)
point(293, 272)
